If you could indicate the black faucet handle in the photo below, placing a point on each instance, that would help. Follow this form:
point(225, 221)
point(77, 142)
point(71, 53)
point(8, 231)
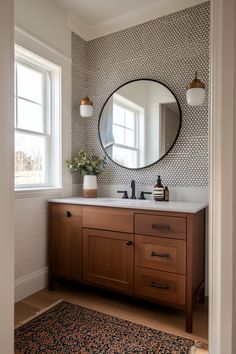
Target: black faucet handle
point(142, 195)
point(133, 189)
point(125, 196)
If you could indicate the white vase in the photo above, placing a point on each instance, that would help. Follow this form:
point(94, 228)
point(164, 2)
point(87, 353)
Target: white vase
point(90, 186)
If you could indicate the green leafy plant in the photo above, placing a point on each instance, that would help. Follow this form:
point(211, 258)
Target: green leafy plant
point(87, 163)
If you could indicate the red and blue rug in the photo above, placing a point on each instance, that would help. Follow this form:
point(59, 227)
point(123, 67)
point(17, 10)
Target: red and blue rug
point(69, 328)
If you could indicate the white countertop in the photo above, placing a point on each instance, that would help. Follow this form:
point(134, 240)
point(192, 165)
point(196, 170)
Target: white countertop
point(184, 207)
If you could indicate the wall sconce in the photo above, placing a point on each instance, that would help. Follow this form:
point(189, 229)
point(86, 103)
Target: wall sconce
point(86, 107)
point(195, 94)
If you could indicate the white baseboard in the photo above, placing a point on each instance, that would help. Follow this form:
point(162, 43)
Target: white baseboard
point(30, 284)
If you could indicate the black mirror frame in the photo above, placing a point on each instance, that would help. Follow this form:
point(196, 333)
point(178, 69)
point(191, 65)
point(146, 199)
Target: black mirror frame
point(177, 135)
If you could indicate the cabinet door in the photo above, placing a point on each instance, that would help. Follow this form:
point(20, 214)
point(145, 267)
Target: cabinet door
point(66, 246)
point(108, 259)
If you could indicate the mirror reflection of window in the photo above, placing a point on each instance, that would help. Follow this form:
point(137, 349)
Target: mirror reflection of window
point(124, 125)
point(126, 131)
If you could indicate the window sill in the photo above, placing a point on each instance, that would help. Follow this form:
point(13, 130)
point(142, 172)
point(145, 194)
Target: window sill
point(38, 192)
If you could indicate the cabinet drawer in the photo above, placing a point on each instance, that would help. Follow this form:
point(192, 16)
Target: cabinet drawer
point(163, 286)
point(160, 253)
point(66, 209)
point(163, 226)
point(114, 219)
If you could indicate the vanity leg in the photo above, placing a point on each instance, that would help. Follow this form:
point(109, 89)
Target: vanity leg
point(201, 296)
point(189, 321)
point(189, 313)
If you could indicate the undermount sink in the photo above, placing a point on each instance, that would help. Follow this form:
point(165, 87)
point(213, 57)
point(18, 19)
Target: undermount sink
point(121, 200)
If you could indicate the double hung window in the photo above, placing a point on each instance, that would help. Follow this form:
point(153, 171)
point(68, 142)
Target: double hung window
point(37, 143)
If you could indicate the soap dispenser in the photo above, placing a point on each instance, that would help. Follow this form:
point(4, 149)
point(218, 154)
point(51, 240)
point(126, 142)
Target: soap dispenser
point(158, 190)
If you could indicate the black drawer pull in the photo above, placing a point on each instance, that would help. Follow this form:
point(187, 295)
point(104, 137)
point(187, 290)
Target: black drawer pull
point(161, 226)
point(159, 286)
point(129, 243)
point(161, 255)
point(68, 214)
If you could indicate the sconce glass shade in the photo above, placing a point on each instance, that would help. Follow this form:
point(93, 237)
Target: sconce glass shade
point(195, 94)
point(86, 107)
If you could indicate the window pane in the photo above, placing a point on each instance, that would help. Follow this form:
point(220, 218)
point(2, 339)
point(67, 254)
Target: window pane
point(129, 119)
point(29, 159)
point(15, 111)
point(125, 156)
point(119, 134)
point(30, 116)
point(129, 138)
point(29, 83)
point(118, 115)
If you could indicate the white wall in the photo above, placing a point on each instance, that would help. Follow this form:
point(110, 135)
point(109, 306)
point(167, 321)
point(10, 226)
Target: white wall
point(234, 195)
point(6, 178)
point(222, 180)
point(41, 29)
point(45, 21)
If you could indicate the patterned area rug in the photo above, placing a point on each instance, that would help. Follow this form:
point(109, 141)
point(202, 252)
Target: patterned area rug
point(68, 328)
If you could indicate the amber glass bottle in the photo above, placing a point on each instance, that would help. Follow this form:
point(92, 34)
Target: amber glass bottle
point(166, 194)
point(158, 190)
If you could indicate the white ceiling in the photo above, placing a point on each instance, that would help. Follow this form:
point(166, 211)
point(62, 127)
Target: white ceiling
point(91, 12)
point(94, 18)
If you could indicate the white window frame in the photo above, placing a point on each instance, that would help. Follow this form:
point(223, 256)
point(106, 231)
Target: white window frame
point(53, 116)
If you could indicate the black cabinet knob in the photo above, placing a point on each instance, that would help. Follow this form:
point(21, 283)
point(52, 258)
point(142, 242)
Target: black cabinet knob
point(129, 243)
point(68, 214)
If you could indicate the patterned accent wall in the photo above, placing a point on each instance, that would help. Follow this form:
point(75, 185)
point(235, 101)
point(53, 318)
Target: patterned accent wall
point(79, 89)
point(168, 49)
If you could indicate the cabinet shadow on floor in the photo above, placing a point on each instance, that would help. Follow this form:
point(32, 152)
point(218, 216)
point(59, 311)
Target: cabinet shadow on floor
point(122, 306)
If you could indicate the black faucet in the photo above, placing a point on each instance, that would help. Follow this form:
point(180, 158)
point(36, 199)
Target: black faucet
point(125, 196)
point(133, 189)
point(142, 195)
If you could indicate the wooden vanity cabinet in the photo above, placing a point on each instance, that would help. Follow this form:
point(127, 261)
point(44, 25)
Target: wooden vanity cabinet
point(154, 255)
point(65, 242)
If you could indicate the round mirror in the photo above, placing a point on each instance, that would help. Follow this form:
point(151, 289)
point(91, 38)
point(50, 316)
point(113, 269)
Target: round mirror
point(139, 123)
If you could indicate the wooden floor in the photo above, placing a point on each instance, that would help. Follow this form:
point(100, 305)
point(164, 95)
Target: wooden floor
point(138, 311)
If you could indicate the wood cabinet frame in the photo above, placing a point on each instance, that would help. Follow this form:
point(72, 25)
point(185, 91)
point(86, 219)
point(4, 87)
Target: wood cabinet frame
point(184, 231)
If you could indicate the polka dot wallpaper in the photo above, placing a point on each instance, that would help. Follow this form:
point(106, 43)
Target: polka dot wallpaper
point(168, 49)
